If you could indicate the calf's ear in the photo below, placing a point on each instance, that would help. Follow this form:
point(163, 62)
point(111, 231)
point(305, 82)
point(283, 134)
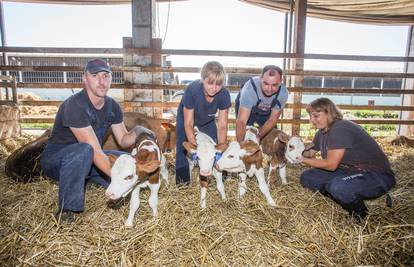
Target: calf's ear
point(250, 147)
point(148, 166)
point(222, 147)
point(191, 148)
point(169, 127)
point(112, 158)
point(283, 137)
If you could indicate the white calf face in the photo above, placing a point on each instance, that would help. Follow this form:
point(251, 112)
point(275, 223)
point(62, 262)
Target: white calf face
point(231, 159)
point(251, 134)
point(205, 153)
point(294, 149)
point(123, 177)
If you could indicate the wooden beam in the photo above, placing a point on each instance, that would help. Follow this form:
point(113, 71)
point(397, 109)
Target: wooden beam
point(283, 121)
point(161, 104)
point(228, 53)
point(299, 63)
point(239, 70)
point(233, 88)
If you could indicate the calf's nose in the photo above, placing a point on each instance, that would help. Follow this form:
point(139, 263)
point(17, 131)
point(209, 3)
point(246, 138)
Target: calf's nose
point(109, 194)
point(205, 172)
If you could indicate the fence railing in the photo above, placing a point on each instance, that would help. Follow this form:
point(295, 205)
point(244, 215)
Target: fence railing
point(65, 53)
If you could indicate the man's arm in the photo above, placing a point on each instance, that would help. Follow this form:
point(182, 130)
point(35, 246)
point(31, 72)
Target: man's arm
point(88, 136)
point(189, 125)
point(124, 138)
point(241, 121)
point(269, 124)
point(222, 125)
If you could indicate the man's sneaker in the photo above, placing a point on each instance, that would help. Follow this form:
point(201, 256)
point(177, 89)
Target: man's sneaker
point(358, 217)
point(65, 216)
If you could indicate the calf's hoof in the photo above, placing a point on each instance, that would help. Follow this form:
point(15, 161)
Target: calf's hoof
point(272, 203)
point(129, 224)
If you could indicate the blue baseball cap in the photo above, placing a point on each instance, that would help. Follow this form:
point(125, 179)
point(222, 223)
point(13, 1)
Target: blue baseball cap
point(97, 65)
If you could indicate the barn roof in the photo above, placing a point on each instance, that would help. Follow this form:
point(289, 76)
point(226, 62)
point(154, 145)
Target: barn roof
point(395, 12)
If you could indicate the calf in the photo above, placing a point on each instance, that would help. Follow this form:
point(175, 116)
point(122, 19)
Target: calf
point(281, 148)
point(205, 152)
point(139, 170)
point(246, 159)
point(163, 129)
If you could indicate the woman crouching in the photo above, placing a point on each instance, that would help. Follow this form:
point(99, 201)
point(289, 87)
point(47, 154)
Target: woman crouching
point(353, 167)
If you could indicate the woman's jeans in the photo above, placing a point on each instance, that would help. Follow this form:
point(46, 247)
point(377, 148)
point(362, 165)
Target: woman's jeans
point(72, 167)
point(348, 189)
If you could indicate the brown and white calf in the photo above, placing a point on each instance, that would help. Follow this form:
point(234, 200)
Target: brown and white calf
point(246, 159)
point(205, 151)
point(141, 169)
point(281, 148)
point(164, 129)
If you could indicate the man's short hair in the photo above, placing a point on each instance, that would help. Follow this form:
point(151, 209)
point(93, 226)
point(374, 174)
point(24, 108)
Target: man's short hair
point(97, 65)
point(273, 70)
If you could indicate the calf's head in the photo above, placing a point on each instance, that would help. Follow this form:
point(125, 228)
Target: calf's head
point(294, 149)
point(206, 152)
point(127, 171)
point(232, 158)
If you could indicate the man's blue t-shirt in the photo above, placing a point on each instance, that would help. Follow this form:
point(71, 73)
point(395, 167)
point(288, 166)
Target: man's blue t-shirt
point(204, 112)
point(78, 112)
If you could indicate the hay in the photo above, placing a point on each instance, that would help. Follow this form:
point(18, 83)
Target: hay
point(304, 229)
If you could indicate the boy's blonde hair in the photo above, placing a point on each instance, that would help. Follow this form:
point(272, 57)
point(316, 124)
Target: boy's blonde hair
point(213, 71)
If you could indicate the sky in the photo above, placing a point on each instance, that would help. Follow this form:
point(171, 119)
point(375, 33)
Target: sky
point(201, 24)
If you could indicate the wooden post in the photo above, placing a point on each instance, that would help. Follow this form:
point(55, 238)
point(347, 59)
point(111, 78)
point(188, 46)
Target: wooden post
point(298, 63)
point(408, 100)
point(143, 30)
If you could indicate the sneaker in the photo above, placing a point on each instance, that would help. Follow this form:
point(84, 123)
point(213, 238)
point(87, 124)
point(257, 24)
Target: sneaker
point(65, 216)
point(358, 216)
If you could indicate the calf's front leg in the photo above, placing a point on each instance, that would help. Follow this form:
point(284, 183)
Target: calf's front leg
point(203, 191)
point(282, 174)
point(219, 180)
point(133, 207)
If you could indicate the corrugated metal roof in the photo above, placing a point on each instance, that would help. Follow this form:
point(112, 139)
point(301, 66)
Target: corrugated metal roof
point(395, 12)
point(75, 2)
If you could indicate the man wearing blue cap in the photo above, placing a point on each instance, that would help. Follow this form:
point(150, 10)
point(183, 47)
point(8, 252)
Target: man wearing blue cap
point(73, 155)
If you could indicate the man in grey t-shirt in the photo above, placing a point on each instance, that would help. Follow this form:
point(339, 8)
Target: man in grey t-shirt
point(261, 101)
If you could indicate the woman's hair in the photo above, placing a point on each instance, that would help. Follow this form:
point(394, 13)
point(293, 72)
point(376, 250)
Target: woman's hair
point(326, 105)
point(213, 71)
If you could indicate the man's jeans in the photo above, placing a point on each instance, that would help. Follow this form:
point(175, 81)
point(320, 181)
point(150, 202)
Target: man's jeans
point(72, 167)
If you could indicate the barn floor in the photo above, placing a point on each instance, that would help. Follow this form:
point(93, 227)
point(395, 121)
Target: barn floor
point(304, 229)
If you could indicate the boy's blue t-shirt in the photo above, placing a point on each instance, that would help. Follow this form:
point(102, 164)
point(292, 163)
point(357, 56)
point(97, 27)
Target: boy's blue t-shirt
point(204, 112)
